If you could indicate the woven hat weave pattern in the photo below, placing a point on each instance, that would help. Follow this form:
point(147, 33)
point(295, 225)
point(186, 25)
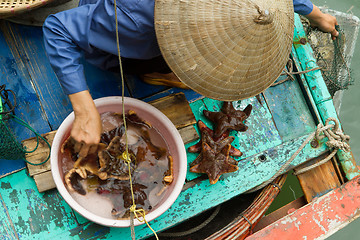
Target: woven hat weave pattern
point(225, 49)
point(12, 7)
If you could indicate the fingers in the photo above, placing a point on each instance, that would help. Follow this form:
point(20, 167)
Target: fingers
point(93, 148)
point(77, 145)
point(84, 149)
point(334, 34)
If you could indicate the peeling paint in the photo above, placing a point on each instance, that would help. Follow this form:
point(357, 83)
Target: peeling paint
point(318, 219)
point(5, 185)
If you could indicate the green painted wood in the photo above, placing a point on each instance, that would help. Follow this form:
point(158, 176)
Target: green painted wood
point(289, 110)
point(306, 89)
point(262, 133)
point(321, 94)
point(7, 228)
point(203, 196)
point(307, 61)
point(346, 159)
point(46, 215)
point(33, 215)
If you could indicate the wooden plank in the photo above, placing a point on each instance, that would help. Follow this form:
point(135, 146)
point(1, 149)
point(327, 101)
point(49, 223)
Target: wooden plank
point(320, 218)
point(321, 94)
point(15, 75)
point(289, 110)
point(305, 53)
point(176, 108)
point(190, 95)
point(318, 181)
point(188, 134)
point(7, 228)
point(280, 213)
point(56, 105)
point(40, 155)
point(44, 181)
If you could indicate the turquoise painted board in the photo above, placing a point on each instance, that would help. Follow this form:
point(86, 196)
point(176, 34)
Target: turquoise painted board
point(289, 110)
point(48, 209)
point(33, 215)
point(305, 89)
point(261, 134)
point(321, 95)
point(307, 61)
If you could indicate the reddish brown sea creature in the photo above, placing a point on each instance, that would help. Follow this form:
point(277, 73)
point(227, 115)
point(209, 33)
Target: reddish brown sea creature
point(216, 146)
point(213, 163)
point(169, 177)
point(107, 170)
point(207, 135)
point(113, 188)
point(112, 163)
point(228, 119)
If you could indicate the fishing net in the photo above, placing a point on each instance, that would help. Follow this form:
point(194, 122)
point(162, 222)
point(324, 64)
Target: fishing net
point(10, 148)
point(334, 57)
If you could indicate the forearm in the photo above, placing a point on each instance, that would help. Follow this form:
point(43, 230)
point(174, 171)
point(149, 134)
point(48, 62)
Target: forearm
point(82, 104)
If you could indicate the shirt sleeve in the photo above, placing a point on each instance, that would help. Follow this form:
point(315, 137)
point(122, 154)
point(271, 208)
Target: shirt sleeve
point(303, 7)
point(63, 35)
point(90, 30)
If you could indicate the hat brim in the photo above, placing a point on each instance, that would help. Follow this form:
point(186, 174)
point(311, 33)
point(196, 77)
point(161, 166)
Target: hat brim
point(219, 49)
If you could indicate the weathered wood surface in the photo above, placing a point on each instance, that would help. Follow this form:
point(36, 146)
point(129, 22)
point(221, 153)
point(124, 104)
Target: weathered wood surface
point(320, 180)
point(320, 94)
point(40, 154)
point(176, 108)
point(320, 218)
point(280, 213)
point(267, 144)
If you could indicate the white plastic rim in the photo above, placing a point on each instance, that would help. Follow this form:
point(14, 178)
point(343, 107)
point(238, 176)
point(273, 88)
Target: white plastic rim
point(166, 129)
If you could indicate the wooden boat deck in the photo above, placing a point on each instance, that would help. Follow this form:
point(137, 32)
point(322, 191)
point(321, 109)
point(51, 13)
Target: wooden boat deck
point(282, 118)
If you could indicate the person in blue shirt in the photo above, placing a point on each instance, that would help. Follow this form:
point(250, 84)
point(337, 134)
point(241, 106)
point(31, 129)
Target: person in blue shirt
point(90, 30)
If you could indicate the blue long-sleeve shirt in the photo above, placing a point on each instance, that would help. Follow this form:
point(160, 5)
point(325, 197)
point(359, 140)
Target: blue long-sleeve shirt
point(90, 30)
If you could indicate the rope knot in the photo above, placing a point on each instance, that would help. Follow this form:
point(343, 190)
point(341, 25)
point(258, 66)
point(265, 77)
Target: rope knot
point(336, 138)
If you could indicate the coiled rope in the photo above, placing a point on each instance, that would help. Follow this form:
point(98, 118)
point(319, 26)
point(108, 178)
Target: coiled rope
point(337, 140)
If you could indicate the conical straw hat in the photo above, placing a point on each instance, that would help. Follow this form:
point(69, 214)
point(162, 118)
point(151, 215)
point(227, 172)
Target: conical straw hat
point(225, 49)
point(12, 7)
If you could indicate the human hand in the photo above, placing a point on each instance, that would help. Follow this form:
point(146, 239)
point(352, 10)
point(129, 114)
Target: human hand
point(325, 22)
point(87, 125)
